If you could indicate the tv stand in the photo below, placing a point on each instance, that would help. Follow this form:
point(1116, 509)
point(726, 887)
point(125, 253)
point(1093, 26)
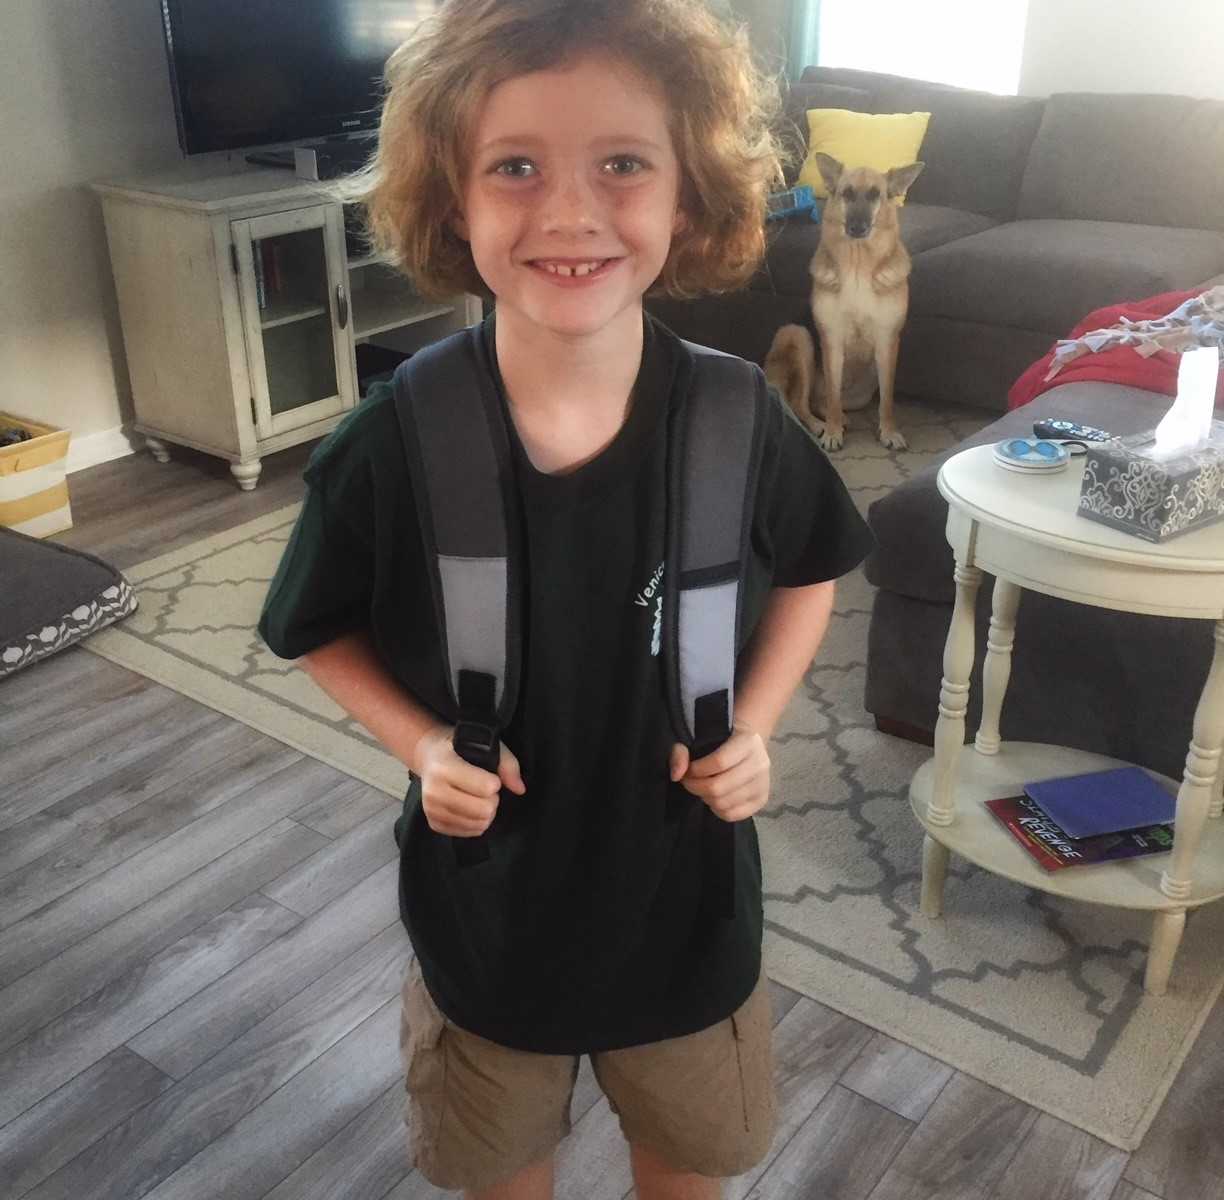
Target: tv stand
point(271, 158)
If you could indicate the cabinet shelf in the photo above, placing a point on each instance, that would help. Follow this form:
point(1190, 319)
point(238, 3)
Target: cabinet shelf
point(285, 312)
point(376, 312)
point(367, 260)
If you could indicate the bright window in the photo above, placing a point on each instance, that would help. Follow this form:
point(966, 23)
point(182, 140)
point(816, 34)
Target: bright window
point(969, 43)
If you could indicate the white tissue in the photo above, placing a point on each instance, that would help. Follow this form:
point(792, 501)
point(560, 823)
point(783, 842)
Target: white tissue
point(1188, 423)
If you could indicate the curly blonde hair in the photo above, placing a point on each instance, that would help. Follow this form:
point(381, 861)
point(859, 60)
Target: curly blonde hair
point(721, 110)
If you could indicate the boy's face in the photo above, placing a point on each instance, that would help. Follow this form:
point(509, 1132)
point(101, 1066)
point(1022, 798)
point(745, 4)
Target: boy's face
point(571, 196)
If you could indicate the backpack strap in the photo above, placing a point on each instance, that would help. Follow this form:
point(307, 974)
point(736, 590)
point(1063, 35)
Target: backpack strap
point(714, 458)
point(458, 455)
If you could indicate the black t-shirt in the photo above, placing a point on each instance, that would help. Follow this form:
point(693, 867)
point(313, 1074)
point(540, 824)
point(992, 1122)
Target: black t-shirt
point(584, 930)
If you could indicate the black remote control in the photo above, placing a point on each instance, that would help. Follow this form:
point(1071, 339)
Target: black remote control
point(1069, 431)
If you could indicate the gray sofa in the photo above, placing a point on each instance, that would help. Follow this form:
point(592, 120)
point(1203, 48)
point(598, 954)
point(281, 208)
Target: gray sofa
point(1030, 214)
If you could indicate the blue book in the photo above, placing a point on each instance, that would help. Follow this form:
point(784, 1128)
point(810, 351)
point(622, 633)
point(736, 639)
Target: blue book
point(1103, 801)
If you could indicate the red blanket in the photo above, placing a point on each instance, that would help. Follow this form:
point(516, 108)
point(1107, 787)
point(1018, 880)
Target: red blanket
point(1119, 364)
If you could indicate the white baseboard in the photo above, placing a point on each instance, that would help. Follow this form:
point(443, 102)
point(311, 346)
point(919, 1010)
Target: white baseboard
point(95, 448)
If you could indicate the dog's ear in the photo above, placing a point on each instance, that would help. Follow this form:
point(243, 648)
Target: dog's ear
point(901, 179)
point(830, 170)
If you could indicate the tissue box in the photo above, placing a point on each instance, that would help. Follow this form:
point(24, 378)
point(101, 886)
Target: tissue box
point(1126, 487)
point(33, 480)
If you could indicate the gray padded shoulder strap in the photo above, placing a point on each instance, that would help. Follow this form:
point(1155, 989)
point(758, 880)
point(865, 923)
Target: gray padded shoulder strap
point(458, 454)
point(714, 461)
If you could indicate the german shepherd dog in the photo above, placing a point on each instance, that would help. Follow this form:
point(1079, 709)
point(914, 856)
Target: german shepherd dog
point(860, 295)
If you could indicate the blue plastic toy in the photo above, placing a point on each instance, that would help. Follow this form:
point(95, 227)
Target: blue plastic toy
point(791, 203)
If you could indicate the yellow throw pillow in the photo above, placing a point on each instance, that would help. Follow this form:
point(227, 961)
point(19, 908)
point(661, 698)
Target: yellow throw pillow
point(878, 140)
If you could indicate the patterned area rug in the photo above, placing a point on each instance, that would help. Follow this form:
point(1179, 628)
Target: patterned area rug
point(1039, 997)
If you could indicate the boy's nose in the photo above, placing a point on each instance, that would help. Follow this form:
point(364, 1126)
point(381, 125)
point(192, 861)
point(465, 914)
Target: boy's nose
point(570, 206)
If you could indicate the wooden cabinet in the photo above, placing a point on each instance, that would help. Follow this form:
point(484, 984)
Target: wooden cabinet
point(243, 303)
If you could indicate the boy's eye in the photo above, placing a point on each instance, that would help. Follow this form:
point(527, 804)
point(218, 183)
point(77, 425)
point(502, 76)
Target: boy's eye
point(516, 168)
point(624, 164)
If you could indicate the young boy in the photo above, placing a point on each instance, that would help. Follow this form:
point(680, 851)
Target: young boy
point(565, 157)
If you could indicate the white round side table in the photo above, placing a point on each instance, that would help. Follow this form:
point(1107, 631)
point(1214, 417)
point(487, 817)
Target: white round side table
point(1026, 532)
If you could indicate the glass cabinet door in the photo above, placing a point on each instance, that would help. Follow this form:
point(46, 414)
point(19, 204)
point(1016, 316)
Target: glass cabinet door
point(294, 288)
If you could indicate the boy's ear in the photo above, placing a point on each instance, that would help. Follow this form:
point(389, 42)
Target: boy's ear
point(830, 170)
point(680, 221)
point(459, 225)
point(901, 179)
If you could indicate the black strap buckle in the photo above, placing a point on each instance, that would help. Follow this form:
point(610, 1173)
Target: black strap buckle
point(477, 743)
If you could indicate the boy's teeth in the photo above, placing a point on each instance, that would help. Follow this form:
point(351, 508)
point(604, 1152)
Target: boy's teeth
point(580, 269)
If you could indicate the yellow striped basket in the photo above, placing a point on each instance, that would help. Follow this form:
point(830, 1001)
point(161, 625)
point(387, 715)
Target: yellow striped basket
point(33, 479)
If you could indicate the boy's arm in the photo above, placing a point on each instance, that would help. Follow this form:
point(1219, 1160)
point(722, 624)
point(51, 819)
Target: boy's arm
point(352, 674)
point(782, 648)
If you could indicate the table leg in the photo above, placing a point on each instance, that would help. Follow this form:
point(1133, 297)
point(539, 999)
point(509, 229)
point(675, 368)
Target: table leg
point(935, 856)
point(1194, 798)
point(954, 695)
point(1167, 929)
point(996, 670)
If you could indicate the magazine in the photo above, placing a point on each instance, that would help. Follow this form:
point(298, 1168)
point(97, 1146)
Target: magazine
point(1053, 850)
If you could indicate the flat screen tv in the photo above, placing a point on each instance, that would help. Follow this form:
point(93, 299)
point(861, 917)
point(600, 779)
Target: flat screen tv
point(250, 73)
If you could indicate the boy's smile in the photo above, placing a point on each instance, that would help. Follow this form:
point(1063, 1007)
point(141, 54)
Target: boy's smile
point(571, 196)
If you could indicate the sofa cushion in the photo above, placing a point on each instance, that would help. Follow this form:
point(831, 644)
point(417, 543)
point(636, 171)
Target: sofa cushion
point(975, 148)
point(1153, 160)
point(1045, 275)
point(881, 141)
point(912, 556)
point(793, 242)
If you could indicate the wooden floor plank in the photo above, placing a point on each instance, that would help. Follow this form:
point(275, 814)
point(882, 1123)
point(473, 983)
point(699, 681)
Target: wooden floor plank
point(962, 1148)
point(365, 1158)
point(812, 1046)
point(32, 1069)
point(1182, 1155)
point(902, 1079)
point(158, 1140)
point(838, 1153)
point(189, 769)
point(73, 917)
point(94, 849)
point(100, 740)
point(64, 981)
point(72, 1118)
point(338, 866)
point(296, 1120)
point(1128, 1191)
point(224, 1011)
point(342, 807)
point(1058, 1162)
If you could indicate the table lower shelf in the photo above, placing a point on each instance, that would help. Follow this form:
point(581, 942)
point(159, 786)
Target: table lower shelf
point(977, 836)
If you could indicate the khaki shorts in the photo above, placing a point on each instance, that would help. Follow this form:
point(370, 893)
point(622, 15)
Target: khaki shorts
point(478, 1113)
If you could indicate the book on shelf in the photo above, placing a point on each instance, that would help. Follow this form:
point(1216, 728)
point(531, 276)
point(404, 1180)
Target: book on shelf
point(1053, 850)
point(1101, 802)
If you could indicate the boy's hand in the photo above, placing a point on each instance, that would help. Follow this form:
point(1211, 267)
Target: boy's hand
point(460, 800)
point(733, 781)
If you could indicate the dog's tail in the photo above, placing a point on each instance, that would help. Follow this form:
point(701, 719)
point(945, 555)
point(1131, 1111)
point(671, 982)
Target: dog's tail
point(790, 366)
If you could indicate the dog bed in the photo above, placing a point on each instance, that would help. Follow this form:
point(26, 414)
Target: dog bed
point(51, 597)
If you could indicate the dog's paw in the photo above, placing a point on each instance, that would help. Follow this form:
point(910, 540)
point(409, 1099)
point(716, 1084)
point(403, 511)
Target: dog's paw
point(894, 439)
point(830, 437)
